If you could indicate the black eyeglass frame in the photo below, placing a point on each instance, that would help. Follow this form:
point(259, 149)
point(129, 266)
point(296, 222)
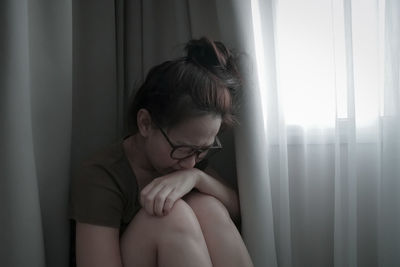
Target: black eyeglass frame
point(195, 150)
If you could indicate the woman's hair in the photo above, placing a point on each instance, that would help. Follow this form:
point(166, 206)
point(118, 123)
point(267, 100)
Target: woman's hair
point(205, 81)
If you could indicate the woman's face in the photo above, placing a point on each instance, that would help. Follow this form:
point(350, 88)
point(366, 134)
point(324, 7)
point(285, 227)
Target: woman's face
point(199, 131)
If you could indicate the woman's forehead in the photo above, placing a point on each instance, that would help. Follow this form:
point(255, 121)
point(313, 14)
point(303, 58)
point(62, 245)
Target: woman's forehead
point(199, 131)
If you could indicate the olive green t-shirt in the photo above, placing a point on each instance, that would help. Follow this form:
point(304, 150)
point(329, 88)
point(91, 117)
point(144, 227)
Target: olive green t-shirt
point(104, 191)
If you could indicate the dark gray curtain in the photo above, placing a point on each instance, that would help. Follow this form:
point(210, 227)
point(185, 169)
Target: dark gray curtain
point(35, 131)
point(67, 71)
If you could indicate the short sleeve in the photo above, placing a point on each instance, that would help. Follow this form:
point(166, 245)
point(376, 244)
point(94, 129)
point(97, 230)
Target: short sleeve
point(95, 197)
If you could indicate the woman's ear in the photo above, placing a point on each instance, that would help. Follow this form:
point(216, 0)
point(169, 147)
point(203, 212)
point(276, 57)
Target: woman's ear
point(144, 123)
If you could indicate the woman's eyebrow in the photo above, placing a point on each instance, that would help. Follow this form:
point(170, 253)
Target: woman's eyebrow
point(179, 143)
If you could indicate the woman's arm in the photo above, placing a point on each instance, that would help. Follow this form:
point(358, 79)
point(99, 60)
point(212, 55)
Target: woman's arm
point(97, 246)
point(159, 196)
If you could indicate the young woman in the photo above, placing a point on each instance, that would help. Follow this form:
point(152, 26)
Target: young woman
point(150, 200)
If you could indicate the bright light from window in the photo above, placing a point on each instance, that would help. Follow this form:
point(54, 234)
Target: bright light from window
point(305, 61)
point(326, 56)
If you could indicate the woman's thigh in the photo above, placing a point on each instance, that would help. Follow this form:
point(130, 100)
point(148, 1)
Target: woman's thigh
point(137, 244)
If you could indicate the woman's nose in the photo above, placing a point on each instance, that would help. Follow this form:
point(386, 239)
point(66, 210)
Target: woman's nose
point(189, 162)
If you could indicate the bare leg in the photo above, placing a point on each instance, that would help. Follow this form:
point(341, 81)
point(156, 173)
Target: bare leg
point(173, 240)
point(225, 245)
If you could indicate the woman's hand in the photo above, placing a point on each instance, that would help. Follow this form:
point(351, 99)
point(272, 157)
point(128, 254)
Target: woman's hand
point(159, 196)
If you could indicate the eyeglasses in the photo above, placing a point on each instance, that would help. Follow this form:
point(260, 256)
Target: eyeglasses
point(182, 152)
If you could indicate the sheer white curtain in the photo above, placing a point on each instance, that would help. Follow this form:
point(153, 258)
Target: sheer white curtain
point(318, 146)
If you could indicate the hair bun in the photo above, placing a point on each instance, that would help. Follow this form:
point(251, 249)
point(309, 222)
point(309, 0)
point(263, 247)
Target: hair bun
point(208, 53)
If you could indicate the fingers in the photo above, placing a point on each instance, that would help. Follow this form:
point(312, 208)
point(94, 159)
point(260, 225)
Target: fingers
point(159, 196)
point(147, 197)
point(170, 200)
point(157, 199)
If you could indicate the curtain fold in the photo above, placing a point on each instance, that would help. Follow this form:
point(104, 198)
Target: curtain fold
point(389, 186)
point(34, 76)
point(19, 198)
point(50, 56)
point(21, 221)
point(254, 180)
point(95, 93)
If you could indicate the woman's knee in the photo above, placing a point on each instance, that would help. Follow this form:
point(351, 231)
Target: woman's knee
point(208, 208)
point(146, 234)
point(181, 219)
